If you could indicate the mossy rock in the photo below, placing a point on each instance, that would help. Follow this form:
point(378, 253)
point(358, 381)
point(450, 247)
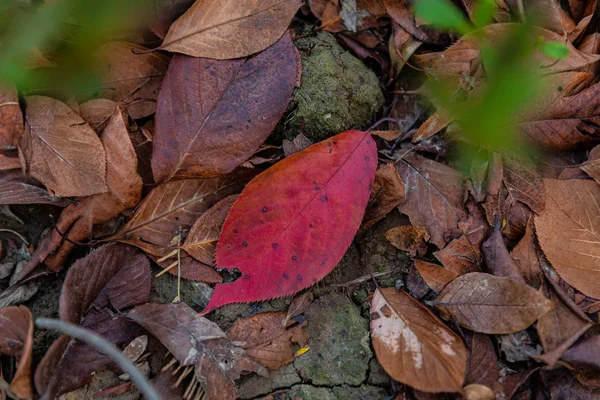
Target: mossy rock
point(338, 91)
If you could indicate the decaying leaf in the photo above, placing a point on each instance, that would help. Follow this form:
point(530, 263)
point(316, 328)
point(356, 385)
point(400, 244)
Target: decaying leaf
point(59, 149)
point(16, 339)
point(569, 232)
point(412, 239)
point(298, 306)
point(222, 29)
point(128, 77)
point(117, 275)
point(490, 304)
point(386, 194)
point(265, 338)
point(213, 115)
point(414, 346)
point(434, 197)
point(199, 342)
point(290, 238)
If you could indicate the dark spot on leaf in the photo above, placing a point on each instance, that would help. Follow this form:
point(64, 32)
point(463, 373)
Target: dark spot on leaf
point(314, 279)
point(294, 257)
point(368, 141)
point(323, 198)
point(330, 151)
point(335, 142)
point(359, 181)
point(246, 277)
point(322, 262)
point(285, 275)
point(367, 158)
point(310, 225)
point(317, 188)
point(228, 246)
point(299, 277)
point(235, 231)
point(245, 244)
point(560, 89)
point(274, 245)
point(264, 209)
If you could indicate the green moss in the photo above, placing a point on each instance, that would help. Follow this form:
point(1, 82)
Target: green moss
point(338, 91)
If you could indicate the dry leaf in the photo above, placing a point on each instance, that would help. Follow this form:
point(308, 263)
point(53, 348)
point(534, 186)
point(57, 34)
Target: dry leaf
point(59, 149)
point(16, 188)
point(265, 338)
point(224, 29)
point(527, 257)
point(483, 364)
point(497, 258)
point(412, 239)
point(436, 276)
point(11, 127)
point(16, 340)
point(569, 232)
point(298, 306)
point(490, 304)
point(213, 115)
point(592, 165)
point(97, 112)
point(386, 194)
point(414, 346)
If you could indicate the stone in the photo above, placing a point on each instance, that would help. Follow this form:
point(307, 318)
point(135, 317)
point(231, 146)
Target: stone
point(339, 344)
point(307, 392)
point(364, 392)
point(377, 375)
point(256, 385)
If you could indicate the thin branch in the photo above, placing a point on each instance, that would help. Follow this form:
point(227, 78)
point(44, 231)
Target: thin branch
point(105, 347)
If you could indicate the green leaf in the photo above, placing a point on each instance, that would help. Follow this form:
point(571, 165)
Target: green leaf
point(556, 50)
point(442, 14)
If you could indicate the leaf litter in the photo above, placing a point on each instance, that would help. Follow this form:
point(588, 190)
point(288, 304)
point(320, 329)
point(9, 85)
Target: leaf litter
point(183, 163)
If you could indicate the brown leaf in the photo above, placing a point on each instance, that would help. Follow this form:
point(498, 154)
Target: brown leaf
point(201, 242)
point(526, 256)
point(232, 106)
point(60, 150)
point(561, 384)
point(416, 285)
point(299, 143)
point(483, 364)
point(11, 127)
point(16, 188)
point(189, 268)
point(298, 306)
point(524, 183)
point(414, 346)
point(223, 29)
point(569, 232)
point(432, 125)
point(115, 275)
point(77, 220)
point(592, 166)
point(130, 76)
point(265, 338)
point(497, 258)
point(412, 239)
point(200, 342)
point(386, 194)
point(16, 339)
point(172, 208)
point(97, 112)
point(401, 11)
point(584, 357)
point(436, 276)
point(490, 304)
point(434, 197)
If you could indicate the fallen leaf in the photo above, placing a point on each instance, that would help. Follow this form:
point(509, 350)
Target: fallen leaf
point(199, 342)
point(60, 150)
point(483, 364)
point(436, 276)
point(432, 125)
point(386, 194)
point(434, 197)
point(222, 29)
point(569, 232)
point(298, 306)
point(77, 220)
point(561, 384)
point(584, 357)
point(490, 304)
point(414, 346)
point(16, 340)
point(475, 391)
point(266, 339)
point(299, 143)
point(232, 107)
point(11, 127)
point(497, 258)
point(416, 285)
point(201, 242)
point(401, 12)
point(115, 275)
point(16, 188)
point(592, 165)
point(172, 208)
point(97, 112)
point(130, 77)
point(187, 267)
point(412, 239)
point(164, 383)
point(526, 256)
point(288, 239)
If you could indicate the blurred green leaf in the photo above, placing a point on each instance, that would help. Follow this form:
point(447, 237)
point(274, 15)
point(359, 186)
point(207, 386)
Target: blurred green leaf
point(555, 50)
point(444, 15)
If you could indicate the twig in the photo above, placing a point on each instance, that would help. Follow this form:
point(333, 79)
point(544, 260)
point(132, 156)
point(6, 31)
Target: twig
point(105, 347)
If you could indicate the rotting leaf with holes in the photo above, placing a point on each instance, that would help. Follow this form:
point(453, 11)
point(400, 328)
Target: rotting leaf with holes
point(223, 29)
point(414, 346)
point(293, 223)
point(265, 338)
point(213, 115)
point(197, 341)
point(115, 274)
point(59, 149)
point(434, 197)
point(490, 304)
point(16, 339)
point(569, 232)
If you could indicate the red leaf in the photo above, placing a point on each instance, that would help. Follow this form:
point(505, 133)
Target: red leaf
point(293, 223)
point(212, 115)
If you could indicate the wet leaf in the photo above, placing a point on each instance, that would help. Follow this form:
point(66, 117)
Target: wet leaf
point(434, 197)
point(232, 106)
point(490, 304)
point(223, 29)
point(16, 339)
point(386, 194)
point(569, 232)
point(293, 223)
point(115, 275)
point(60, 150)
point(414, 346)
point(412, 239)
point(436, 276)
point(200, 342)
point(128, 77)
point(266, 339)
